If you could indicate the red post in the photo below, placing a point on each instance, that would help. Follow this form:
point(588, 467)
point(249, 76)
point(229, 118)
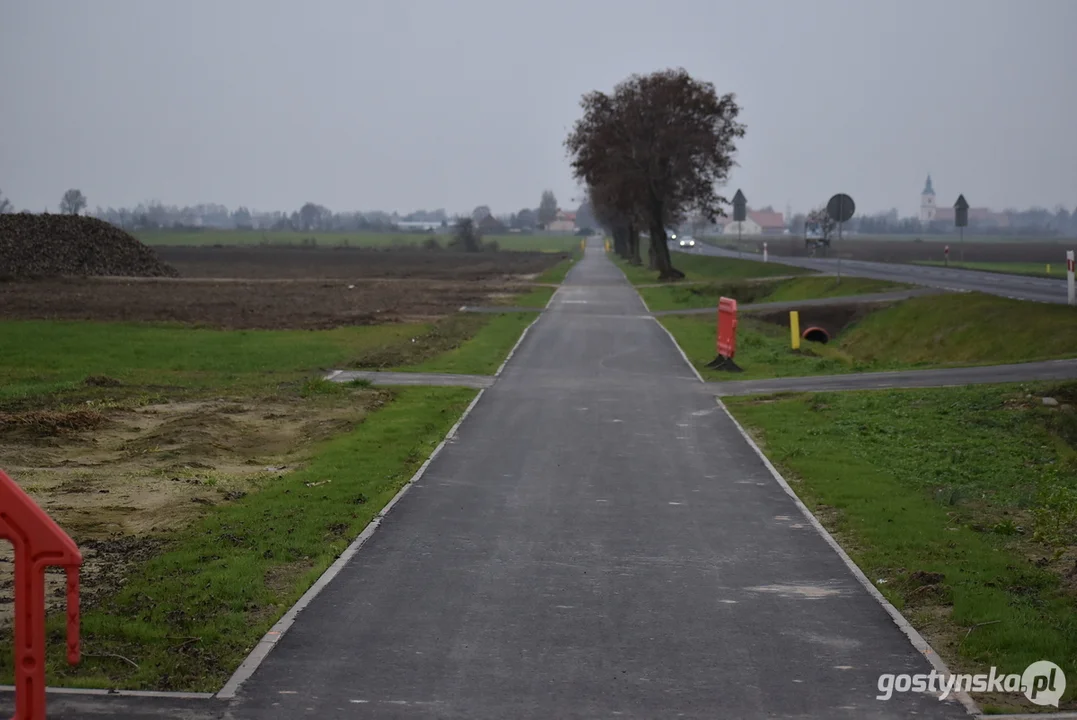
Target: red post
point(727, 327)
point(38, 542)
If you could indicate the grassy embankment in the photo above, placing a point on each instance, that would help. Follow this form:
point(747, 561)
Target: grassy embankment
point(961, 504)
point(931, 331)
point(708, 278)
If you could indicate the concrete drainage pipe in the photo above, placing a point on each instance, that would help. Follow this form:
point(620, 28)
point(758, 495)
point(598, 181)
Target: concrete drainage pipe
point(816, 334)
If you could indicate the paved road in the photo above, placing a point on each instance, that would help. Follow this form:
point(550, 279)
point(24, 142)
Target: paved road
point(943, 377)
point(598, 541)
point(1013, 286)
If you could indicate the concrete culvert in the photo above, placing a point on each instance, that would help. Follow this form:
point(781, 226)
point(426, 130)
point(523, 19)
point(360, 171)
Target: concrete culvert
point(816, 334)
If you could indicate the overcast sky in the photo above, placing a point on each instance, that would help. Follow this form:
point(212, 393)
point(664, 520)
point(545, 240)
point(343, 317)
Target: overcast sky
point(407, 104)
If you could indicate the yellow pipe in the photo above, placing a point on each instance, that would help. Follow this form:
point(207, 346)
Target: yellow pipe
point(794, 328)
point(1048, 268)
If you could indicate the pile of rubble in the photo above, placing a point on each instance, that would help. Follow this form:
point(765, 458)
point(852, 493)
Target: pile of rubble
point(33, 246)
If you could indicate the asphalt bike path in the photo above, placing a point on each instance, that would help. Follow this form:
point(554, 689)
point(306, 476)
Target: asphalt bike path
point(597, 540)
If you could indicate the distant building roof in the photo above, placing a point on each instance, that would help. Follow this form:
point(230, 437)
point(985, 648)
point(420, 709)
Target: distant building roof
point(767, 219)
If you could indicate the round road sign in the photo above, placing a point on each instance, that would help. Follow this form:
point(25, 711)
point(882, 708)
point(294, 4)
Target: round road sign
point(840, 208)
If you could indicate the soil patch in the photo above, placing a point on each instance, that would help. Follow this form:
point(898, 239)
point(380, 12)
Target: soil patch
point(246, 304)
point(122, 486)
point(355, 263)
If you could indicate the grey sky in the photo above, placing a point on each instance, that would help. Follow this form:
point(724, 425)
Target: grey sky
point(407, 104)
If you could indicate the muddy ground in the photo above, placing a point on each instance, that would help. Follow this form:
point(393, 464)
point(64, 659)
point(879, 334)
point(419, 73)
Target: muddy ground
point(246, 304)
point(120, 481)
point(907, 251)
point(283, 287)
point(353, 263)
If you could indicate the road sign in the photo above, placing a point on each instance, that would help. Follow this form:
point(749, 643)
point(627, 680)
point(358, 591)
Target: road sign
point(740, 207)
point(961, 212)
point(840, 208)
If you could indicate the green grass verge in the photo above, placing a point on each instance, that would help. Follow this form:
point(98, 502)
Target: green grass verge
point(705, 295)
point(556, 274)
point(537, 298)
point(483, 352)
point(535, 242)
point(932, 331)
point(41, 357)
point(1058, 270)
point(965, 328)
point(706, 267)
point(188, 616)
point(960, 503)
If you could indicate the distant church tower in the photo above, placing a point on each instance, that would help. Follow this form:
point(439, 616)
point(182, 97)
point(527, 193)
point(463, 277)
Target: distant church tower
point(927, 202)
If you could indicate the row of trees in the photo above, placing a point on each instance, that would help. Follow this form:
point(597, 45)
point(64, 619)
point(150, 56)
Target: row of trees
point(72, 203)
point(651, 153)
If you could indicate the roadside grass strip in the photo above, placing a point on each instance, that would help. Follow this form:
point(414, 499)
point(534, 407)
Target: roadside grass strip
point(962, 329)
point(960, 504)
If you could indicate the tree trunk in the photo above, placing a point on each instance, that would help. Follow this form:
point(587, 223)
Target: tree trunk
point(660, 248)
point(633, 245)
point(620, 245)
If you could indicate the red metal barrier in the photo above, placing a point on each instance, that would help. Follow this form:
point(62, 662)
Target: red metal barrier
point(39, 542)
point(727, 327)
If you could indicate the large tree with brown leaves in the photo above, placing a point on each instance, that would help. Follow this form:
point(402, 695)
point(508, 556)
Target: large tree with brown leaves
point(659, 146)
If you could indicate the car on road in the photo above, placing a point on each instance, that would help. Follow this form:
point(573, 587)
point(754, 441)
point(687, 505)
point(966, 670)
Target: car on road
point(686, 241)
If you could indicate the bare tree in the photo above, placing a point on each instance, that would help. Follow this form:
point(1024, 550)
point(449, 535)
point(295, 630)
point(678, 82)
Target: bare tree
point(822, 222)
point(666, 141)
point(5, 204)
point(72, 202)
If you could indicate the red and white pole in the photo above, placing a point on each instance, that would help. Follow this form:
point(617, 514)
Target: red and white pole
point(764, 252)
point(1070, 294)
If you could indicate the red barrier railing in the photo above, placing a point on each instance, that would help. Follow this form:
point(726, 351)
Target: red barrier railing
point(38, 542)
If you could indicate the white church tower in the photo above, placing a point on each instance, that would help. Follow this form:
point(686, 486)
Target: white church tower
point(927, 202)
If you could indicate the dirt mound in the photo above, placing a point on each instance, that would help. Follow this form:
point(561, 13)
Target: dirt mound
point(53, 245)
point(47, 423)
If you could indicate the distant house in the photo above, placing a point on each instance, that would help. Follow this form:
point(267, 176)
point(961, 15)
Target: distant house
point(490, 225)
point(758, 222)
point(564, 222)
point(769, 222)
